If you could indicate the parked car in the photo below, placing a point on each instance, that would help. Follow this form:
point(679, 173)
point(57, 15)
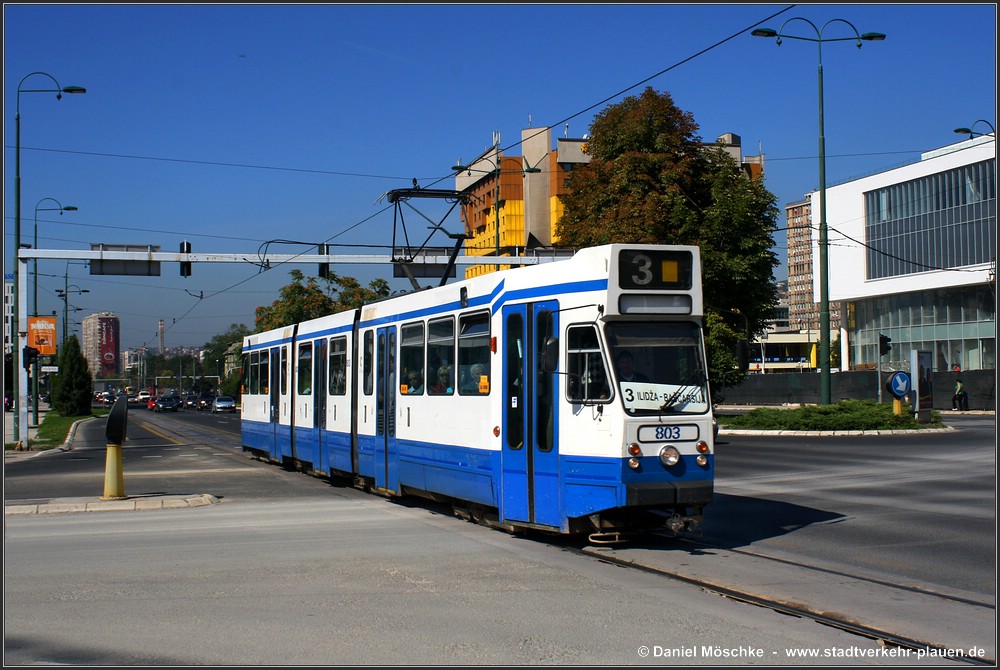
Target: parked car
point(205, 401)
point(167, 403)
point(223, 403)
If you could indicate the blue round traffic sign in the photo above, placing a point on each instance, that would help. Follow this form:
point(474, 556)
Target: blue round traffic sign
point(898, 384)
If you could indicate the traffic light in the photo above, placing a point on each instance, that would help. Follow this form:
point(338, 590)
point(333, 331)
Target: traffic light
point(29, 355)
point(324, 268)
point(883, 344)
point(185, 266)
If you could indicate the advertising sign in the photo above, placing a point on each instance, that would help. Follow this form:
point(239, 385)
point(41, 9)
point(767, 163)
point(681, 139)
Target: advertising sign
point(921, 366)
point(42, 334)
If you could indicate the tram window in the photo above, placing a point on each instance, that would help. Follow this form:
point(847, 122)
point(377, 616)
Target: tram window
point(253, 387)
point(544, 387)
point(245, 373)
point(368, 364)
point(474, 354)
point(264, 371)
point(514, 381)
point(284, 370)
point(338, 366)
point(304, 369)
point(411, 359)
point(588, 377)
point(441, 356)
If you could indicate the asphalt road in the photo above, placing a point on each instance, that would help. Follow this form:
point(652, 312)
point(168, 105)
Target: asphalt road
point(293, 569)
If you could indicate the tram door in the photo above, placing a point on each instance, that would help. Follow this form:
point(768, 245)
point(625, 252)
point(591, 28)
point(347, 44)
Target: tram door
point(271, 375)
point(386, 466)
point(319, 388)
point(529, 453)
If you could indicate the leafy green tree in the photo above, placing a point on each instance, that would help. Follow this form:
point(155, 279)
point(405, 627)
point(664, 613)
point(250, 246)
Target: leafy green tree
point(215, 349)
point(305, 299)
point(72, 386)
point(651, 180)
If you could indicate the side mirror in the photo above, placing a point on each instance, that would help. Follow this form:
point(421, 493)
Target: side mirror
point(550, 354)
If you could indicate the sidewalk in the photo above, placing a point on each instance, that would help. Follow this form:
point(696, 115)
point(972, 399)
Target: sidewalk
point(8, 424)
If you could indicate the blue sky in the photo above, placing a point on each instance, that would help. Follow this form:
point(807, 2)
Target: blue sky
point(232, 125)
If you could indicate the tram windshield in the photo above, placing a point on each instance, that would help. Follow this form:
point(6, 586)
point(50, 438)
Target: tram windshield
point(659, 367)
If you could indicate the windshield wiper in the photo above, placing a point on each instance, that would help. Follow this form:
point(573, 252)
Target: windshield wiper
point(672, 400)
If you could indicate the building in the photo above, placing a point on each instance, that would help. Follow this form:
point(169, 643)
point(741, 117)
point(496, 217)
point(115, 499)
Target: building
point(101, 344)
point(516, 201)
point(914, 249)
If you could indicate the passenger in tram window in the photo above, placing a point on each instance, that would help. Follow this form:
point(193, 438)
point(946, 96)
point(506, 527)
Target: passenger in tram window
point(443, 386)
point(414, 384)
point(473, 384)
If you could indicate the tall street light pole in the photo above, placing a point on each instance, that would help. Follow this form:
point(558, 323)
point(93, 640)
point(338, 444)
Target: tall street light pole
point(64, 294)
point(34, 300)
point(20, 432)
point(34, 263)
point(824, 272)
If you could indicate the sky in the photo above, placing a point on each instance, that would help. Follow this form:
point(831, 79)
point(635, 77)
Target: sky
point(246, 127)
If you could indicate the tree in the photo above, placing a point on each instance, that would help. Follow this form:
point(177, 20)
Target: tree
point(652, 181)
point(304, 299)
point(72, 386)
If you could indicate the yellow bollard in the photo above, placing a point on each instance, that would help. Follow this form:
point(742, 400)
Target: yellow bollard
point(897, 406)
point(114, 477)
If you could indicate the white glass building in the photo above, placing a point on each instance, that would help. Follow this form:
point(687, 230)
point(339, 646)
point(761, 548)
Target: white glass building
point(912, 255)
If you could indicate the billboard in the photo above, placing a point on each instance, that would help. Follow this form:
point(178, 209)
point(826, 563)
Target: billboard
point(107, 345)
point(42, 334)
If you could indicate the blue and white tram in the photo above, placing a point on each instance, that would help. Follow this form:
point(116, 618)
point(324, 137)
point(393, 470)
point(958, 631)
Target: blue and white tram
point(509, 394)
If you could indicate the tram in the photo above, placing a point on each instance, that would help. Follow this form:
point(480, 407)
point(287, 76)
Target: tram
point(570, 396)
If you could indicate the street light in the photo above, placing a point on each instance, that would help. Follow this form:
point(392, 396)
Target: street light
point(15, 329)
point(971, 131)
point(34, 302)
point(824, 273)
point(496, 172)
point(60, 209)
point(64, 294)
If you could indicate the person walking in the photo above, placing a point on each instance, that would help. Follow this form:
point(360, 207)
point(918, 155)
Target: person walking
point(960, 399)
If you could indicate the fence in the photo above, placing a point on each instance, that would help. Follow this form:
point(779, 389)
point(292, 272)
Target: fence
point(795, 388)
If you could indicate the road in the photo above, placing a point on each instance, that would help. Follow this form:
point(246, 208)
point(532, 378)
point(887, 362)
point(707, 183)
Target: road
point(289, 569)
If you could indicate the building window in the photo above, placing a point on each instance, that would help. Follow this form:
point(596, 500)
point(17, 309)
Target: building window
point(940, 221)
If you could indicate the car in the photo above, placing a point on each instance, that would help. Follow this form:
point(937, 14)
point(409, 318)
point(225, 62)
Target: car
point(223, 403)
point(205, 401)
point(144, 396)
point(151, 402)
point(167, 403)
point(191, 401)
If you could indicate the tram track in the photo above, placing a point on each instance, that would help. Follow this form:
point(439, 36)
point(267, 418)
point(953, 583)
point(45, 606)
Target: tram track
point(765, 593)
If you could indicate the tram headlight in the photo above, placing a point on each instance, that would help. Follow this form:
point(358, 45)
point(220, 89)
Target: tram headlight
point(669, 456)
point(702, 460)
point(633, 463)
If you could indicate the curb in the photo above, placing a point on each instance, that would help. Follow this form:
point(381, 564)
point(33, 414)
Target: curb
point(131, 503)
point(835, 433)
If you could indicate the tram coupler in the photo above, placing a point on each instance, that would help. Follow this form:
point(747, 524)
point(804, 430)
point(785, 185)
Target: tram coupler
point(114, 477)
